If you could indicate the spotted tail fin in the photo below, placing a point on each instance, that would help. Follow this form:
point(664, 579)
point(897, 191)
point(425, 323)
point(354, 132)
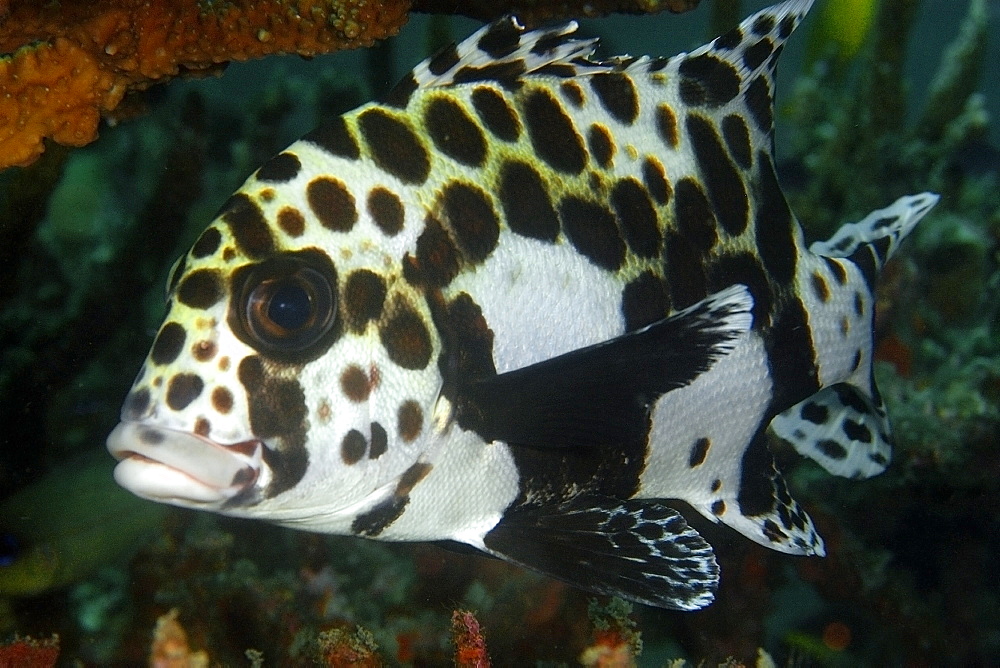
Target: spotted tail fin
point(844, 426)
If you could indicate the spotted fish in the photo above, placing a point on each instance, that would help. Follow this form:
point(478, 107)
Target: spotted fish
point(523, 303)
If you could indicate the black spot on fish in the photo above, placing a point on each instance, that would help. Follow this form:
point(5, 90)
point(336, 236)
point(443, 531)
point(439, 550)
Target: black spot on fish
point(386, 209)
point(353, 447)
point(400, 94)
point(437, 257)
point(332, 203)
point(454, 133)
point(136, 404)
point(694, 216)
point(201, 289)
point(469, 212)
point(495, 113)
point(500, 39)
point(409, 421)
point(334, 136)
point(637, 217)
point(726, 189)
point(791, 356)
point(820, 288)
point(737, 136)
point(552, 133)
point(279, 169)
point(168, 344)
point(763, 25)
point(405, 337)
point(572, 92)
point(786, 27)
point(755, 55)
point(831, 449)
point(699, 451)
point(815, 413)
point(507, 74)
point(655, 179)
point(183, 389)
point(248, 225)
point(444, 60)
point(395, 148)
point(666, 125)
point(617, 94)
point(707, 81)
point(644, 301)
point(758, 101)
point(857, 431)
point(601, 145)
point(591, 229)
point(364, 296)
point(291, 221)
point(207, 243)
point(525, 201)
point(836, 268)
point(729, 41)
point(380, 441)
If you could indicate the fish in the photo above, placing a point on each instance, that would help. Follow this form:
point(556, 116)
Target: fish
point(529, 304)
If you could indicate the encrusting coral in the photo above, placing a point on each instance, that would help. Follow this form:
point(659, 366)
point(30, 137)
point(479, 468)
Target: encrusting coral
point(67, 63)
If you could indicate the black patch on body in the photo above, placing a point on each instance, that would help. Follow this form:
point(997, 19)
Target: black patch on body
point(552, 133)
point(378, 519)
point(454, 133)
point(694, 216)
point(737, 136)
point(280, 169)
point(496, 114)
point(617, 94)
point(525, 201)
point(758, 101)
point(364, 298)
point(637, 217)
point(707, 81)
point(394, 146)
point(332, 203)
point(469, 212)
point(775, 228)
point(168, 344)
point(405, 337)
point(444, 60)
point(656, 180)
point(249, 227)
point(755, 55)
point(508, 74)
point(207, 243)
point(730, 40)
point(601, 145)
point(591, 229)
point(666, 125)
point(183, 389)
point(699, 451)
point(335, 137)
point(201, 289)
point(726, 189)
point(136, 404)
point(437, 260)
point(400, 94)
point(791, 356)
point(278, 413)
point(644, 301)
point(685, 271)
point(386, 209)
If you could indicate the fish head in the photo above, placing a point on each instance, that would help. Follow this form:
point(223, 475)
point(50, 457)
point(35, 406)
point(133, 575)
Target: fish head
point(294, 376)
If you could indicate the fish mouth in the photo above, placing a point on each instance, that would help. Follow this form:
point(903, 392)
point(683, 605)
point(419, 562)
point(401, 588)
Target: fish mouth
point(182, 468)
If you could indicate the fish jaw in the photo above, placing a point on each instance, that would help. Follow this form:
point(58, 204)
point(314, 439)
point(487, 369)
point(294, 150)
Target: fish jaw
point(183, 468)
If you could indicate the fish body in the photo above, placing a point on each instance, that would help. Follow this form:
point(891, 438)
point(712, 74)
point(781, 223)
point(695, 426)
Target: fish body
point(522, 303)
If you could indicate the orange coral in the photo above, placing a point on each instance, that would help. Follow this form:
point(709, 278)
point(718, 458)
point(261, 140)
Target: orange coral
point(69, 62)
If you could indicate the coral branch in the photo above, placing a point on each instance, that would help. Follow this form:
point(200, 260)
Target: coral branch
point(68, 63)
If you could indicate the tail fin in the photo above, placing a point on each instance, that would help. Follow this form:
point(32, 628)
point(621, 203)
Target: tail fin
point(844, 426)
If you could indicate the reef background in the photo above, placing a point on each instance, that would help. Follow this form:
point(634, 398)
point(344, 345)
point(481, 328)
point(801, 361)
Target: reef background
point(88, 235)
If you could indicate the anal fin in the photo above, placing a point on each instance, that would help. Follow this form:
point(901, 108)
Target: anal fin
point(841, 429)
point(640, 550)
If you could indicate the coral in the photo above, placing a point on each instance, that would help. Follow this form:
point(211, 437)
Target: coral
point(170, 647)
point(338, 647)
point(470, 645)
point(68, 63)
point(617, 643)
point(29, 653)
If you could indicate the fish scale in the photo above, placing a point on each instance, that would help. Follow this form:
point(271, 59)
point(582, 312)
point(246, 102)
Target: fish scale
point(522, 303)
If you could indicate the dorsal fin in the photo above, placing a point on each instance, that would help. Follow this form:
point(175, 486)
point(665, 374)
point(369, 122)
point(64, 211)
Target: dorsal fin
point(502, 50)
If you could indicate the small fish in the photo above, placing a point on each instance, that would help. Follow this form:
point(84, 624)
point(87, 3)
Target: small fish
point(522, 303)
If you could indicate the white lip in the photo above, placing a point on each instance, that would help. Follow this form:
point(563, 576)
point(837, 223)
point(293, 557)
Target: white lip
point(181, 467)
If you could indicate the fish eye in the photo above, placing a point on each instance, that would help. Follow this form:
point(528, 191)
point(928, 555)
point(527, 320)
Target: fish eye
point(287, 306)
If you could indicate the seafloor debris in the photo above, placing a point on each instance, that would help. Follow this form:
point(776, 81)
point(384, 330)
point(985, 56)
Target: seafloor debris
point(338, 647)
point(68, 63)
point(616, 642)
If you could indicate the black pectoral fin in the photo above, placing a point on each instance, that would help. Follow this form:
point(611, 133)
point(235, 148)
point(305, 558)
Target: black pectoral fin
point(642, 551)
point(589, 395)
